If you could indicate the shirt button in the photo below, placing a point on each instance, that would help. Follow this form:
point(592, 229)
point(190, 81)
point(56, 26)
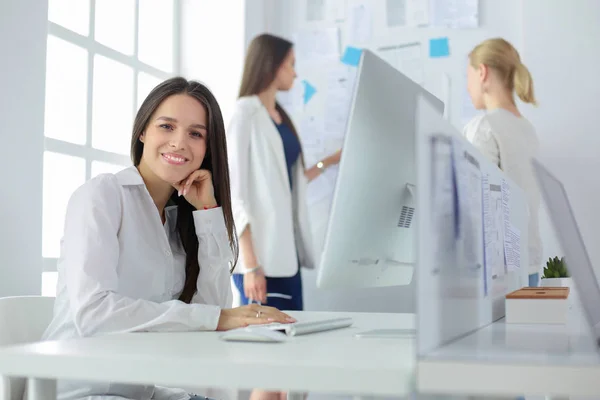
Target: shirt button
point(168, 253)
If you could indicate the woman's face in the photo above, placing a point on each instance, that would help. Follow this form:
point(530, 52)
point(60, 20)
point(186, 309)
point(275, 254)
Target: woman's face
point(175, 140)
point(286, 72)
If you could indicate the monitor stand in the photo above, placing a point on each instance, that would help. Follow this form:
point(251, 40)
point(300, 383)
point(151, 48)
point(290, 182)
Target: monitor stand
point(389, 333)
point(393, 333)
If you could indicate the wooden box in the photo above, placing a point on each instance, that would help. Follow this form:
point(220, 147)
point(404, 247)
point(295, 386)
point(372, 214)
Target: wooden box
point(537, 305)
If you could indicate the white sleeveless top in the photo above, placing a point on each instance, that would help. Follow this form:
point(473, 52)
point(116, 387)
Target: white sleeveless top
point(510, 142)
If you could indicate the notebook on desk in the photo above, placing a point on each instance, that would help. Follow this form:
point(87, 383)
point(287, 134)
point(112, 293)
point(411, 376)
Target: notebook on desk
point(578, 261)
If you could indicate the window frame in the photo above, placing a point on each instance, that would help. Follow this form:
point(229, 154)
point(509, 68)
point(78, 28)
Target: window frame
point(88, 42)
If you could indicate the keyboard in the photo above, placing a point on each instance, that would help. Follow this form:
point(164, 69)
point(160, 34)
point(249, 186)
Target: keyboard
point(304, 328)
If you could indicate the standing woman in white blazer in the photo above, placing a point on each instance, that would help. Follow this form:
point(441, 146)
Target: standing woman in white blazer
point(269, 180)
point(503, 134)
point(149, 249)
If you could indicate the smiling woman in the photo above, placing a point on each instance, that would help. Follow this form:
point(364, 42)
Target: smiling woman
point(171, 139)
point(150, 248)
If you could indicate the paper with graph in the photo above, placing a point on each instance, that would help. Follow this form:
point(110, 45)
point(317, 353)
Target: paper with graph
point(512, 236)
point(470, 209)
point(493, 233)
point(443, 215)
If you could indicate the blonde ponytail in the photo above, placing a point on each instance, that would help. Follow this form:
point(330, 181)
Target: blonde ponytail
point(523, 83)
point(501, 56)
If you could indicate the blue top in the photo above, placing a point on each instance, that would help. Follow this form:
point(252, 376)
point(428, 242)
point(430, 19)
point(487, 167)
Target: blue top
point(291, 147)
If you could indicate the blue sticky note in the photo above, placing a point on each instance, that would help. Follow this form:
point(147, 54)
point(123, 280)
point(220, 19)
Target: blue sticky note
point(439, 47)
point(351, 56)
point(309, 91)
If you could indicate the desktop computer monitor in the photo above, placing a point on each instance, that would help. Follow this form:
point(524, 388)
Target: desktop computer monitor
point(371, 230)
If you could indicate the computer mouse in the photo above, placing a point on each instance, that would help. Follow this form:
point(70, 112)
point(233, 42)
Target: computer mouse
point(254, 334)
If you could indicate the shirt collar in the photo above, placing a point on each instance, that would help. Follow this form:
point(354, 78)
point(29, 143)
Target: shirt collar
point(130, 177)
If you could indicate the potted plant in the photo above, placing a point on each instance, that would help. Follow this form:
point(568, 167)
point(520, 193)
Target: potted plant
point(556, 274)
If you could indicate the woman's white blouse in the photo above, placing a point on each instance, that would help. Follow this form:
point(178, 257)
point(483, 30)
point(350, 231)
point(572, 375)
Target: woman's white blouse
point(122, 270)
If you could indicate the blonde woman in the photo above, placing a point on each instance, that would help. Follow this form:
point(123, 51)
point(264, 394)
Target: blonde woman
point(494, 74)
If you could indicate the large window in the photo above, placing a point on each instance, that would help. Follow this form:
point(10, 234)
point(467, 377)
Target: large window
point(103, 58)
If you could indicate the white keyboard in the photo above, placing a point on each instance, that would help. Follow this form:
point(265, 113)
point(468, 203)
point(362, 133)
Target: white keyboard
point(303, 328)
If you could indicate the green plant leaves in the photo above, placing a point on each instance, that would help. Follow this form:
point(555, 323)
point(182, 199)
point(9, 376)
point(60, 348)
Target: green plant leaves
point(556, 268)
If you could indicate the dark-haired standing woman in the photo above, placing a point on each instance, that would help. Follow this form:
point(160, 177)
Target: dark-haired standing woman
point(150, 248)
point(268, 184)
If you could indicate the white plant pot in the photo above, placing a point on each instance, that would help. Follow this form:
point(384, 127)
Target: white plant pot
point(560, 282)
point(557, 282)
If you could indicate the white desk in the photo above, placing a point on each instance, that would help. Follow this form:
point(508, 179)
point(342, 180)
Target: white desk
point(327, 362)
point(505, 359)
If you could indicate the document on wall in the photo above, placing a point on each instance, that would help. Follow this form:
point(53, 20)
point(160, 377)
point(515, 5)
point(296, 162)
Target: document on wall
point(417, 13)
point(406, 58)
point(454, 13)
point(512, 235)
point(443, 201)
point(336, 10)
point(410, 13)
point(315, 10)
point(340, 85)
point(360, 25)
point(317, 44)
point(470, 209)
point(395, 11)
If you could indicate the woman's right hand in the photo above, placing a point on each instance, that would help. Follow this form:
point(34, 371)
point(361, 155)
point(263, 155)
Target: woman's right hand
point(252, 314)
point(255, 286)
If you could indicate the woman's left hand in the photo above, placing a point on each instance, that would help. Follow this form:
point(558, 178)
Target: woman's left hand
point(198, 189)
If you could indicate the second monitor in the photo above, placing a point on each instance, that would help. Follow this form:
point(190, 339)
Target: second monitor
point(371, 230)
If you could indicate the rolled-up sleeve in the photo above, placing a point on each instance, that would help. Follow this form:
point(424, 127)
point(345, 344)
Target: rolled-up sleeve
point(214, 257)
point(238, 149)
point(89, 262)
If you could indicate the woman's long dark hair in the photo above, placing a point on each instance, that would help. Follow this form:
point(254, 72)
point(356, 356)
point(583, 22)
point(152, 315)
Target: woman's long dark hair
point(265, 55)
point(214, 161)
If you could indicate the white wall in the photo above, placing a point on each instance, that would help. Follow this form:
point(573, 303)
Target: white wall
point(23, 25)
point(212, 46)
point(560, 41)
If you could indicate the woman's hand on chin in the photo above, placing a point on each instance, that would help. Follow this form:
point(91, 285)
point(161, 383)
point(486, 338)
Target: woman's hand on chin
point(198, 189)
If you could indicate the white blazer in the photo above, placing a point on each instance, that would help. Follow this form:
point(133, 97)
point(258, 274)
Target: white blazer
point(261, 195)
